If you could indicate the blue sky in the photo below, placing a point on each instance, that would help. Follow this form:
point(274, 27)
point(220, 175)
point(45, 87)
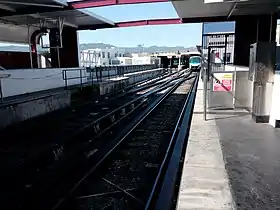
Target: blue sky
point(163, 35)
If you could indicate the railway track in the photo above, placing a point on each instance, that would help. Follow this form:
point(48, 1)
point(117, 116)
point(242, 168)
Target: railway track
point(125, 176)
point(77, 117)
point(91, 122)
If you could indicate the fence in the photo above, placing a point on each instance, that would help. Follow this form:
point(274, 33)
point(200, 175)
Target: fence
point(87, 76)
point(219, 50)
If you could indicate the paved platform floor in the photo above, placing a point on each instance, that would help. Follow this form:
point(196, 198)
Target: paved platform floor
point(231, 162)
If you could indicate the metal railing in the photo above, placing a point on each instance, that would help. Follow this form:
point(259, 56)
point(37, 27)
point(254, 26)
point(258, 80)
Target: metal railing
point(91, 75)
point(76, 75)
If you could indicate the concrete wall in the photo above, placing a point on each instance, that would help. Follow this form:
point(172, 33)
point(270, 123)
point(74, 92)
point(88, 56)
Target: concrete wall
point(24, 81)
point(19, 112)
point(243, 97)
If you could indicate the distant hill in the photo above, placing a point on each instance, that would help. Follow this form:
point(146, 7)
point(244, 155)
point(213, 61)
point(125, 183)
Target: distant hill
point(136, 49)
point(95, 45)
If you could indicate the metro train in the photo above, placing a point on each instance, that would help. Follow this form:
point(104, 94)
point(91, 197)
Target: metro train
point(190, 60)
point(182, 61)
point(195, 63)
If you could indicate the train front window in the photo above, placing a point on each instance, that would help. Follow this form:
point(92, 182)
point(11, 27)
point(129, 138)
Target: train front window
point(195, 60)
point(175, 61)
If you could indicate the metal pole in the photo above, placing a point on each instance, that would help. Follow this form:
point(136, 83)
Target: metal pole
point(95, 59)
point(1, 92)
point(30, 53)
point(231, 10)
point(66, 82)
point(96, 73)
point(58, 57)
point(91, 72)
point(270, 31)
point(179, 64)
point(204, 96)
point(101, 68)
point(81, 79)
point(109, 68)
point(205, 81)
point(202, 37)
point(257, 38)
point(225, 55)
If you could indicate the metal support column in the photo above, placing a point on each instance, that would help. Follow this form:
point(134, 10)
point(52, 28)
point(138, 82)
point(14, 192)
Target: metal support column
point(205, 95)
point(225, 54)
point(205, 81)
point(2, 76)
point(1, 93)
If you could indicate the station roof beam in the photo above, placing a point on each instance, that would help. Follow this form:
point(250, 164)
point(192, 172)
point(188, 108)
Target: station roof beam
point(19, 15)
point(150, 22)
point(82, 4)
point(72, 18)
point(26, 3)
point(20, 7)
point(134, 23)
point(222, 10)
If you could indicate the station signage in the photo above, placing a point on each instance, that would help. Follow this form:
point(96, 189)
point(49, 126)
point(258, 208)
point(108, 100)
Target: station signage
point(222, 82)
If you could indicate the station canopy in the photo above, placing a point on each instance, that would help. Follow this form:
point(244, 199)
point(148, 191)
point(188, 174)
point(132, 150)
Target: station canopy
point(211, 9)
point(19, 18)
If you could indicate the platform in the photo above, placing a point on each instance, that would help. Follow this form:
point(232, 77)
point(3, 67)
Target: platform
point(231, 162)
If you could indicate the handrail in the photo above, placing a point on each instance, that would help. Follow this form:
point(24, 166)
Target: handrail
point(97, 73)
point(162, 195)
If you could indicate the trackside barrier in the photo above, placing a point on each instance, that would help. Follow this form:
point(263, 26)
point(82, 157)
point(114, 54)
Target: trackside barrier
point(165, 189)
point(90, 75)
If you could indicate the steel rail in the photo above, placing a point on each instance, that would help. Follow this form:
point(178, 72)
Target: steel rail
point(162, 199)
point(87, 143)
point(134, 124)
point(148, 81)
point(161, 87)
point(97, 121)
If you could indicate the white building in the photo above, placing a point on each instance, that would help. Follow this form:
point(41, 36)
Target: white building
point(112, 56)
point(145, 60)
point(125, 60)
point(100, 57)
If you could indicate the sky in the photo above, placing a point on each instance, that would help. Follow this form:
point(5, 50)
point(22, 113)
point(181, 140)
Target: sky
point(187, 35)
point(163, 35)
